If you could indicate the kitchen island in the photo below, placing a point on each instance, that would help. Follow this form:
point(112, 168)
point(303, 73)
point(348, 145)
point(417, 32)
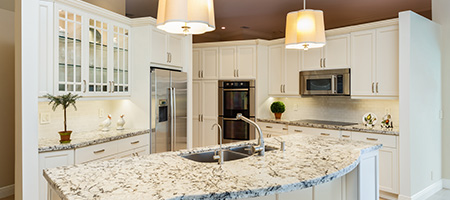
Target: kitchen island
point(308, 161)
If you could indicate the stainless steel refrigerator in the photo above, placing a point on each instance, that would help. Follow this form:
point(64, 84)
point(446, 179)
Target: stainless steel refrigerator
point(168, 105)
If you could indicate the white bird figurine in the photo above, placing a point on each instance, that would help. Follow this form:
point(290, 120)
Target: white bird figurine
point(120, 123)
point(106, 123)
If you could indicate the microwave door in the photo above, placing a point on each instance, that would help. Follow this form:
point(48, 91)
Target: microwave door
point(318, 85)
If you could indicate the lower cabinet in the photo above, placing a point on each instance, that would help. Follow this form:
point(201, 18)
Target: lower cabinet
point(205, 112)
point(127, 147)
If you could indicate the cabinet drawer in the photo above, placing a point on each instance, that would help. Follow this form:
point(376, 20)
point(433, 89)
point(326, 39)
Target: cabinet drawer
point(301, 129)
point(95, 152)
point(273, 127)
point(346, 135)
point(134, 142)
point(386, 140)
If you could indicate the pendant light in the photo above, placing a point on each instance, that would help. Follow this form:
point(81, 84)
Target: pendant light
point(186, 16)
point(305, 29)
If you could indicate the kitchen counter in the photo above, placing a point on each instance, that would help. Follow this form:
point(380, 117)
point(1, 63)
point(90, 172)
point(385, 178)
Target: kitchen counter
point(82, 139)
point(307, 161)
point(360, 127)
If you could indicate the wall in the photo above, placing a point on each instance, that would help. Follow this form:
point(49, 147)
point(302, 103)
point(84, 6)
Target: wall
point(420, 105)
point(442, 16)
point(335, 108)
point(7, 100)
point(118, 6)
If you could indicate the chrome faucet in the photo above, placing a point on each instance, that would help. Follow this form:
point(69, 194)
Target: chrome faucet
point(260, 149)
point(220, 156)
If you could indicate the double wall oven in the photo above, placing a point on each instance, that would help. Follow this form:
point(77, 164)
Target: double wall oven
point(236, 97)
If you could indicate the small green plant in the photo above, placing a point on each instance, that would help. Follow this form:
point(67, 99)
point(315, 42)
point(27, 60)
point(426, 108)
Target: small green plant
point(65, 101)
point(277, 107)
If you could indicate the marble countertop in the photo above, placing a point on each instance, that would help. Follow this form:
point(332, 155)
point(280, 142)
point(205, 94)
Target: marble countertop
point(307, 161)
point(82, 139)
point(360, 127)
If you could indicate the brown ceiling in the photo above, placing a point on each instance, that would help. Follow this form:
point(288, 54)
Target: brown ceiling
point(265, 19)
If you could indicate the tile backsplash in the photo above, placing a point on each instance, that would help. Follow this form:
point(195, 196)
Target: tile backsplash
point(336, 108)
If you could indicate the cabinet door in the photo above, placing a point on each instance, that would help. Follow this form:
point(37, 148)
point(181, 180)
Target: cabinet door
point(330, 190)
point(175, 50)
point(337, 52)
point(303, 194)
point(387, 61)
point(210, 63)
point(292, 72)
point(276, 62)
point(98, 57)
point(246, 62)
point(227, 63)
point(209, 111)
point(46, 39)
point(311, 59)
point(159, 49)
point(51, 160)
point(196, 111)
point(389, 170)
point(209, 137)
point(196, 63)
point(121, 69)
point(363, 63)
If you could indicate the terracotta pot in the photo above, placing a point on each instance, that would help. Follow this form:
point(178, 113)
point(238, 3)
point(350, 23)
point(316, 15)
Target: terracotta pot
point(65, 136)
point(278, 115)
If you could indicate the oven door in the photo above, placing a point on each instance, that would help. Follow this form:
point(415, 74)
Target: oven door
point(236, 100)
point(236, 130)
point(318, 85)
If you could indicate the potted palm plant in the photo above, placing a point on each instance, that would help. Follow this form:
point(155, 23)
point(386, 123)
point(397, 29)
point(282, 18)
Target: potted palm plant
point(65, 101)
point(277, 108)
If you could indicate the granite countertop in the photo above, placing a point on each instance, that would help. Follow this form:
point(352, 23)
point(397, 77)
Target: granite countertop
point(307, 161)
point(82, 139)
point(360, 127)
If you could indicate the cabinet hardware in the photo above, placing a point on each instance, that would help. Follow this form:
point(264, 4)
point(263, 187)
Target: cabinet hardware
point(269, 127)
point(234, 73)
point(284, 88)
point(137, 154)
point(346, 136)
point(321, 61)
point(298, 131)
point(373, 90)
point(199, 75)
point(325, 134)
point(324, 63)
point(202, 117)
point(85, 86)
point(372, 139)
point(167, 57)
point(135, 142)
point(134, 154)
point(170, 57)
point(285, 129)
point(377, 87)
point(237, 73)
point(100, 151)
point(202, 74)
point(110, 87)
point(269, 135)
point(113, 83)
point(199, 118)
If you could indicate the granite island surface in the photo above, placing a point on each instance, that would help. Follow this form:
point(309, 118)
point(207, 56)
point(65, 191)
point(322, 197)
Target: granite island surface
point(308, 161)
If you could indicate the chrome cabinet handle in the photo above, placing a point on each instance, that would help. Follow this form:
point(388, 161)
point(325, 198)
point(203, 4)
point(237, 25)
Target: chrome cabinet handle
point(373, 90)
point(377, 87)
point(100, 151)
point(85, 86)
point(112, 88)
point(372, 139)
point(325, 134)
point(135, 142)
point(298, 131)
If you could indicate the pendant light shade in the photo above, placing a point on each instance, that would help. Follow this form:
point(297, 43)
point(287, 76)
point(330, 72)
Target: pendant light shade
point(305, 29)
point(186, 16)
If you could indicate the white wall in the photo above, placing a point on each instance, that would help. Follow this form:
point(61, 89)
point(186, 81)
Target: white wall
point(441, 15)
point(420, 103)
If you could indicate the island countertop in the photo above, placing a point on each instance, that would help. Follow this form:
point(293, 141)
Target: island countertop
point(307, 161)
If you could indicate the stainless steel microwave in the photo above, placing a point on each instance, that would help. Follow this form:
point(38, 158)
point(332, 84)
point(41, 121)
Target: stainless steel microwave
point(333, 82)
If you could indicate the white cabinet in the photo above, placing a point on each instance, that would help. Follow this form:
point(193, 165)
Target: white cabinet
point(335, 54)
point(330, 190)
point(237, 62)
point(375, 63)
point(205, 112)
point(205, 63)
point(167, 49)
point(284, 67)
point(303, 194)
point(52, 160)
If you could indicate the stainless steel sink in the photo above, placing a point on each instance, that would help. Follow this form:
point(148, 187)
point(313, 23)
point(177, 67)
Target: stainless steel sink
point(248, 149)
point(207, 157)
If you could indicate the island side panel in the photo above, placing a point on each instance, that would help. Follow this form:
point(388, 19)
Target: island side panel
point(368, 176)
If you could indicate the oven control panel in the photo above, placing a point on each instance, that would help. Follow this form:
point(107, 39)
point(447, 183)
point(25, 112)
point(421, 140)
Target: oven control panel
point(236, 84)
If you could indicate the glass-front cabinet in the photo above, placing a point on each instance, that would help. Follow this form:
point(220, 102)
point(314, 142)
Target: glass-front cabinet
point(93, 54)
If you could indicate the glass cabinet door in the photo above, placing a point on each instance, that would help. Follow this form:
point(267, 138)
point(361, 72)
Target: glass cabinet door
point(121, 73)
point(69, 52)
point(98, 57)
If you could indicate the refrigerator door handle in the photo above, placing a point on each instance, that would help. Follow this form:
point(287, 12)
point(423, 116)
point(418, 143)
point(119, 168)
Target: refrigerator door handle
point(174, 119)
point(171, 118)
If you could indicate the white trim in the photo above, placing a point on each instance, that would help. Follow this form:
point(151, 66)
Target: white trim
point(143, 21)
point(446, 183)
point(7, 191)
point(425, 193)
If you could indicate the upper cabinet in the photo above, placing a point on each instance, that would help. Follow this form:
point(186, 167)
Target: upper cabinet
point(284, 67)
point(375, 63)
point(335, 54)
point(167, 49)
point(205, 63)
point(237, 62)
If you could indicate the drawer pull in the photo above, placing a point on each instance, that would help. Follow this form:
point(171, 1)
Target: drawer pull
point(285, 129)
point(269, 127)
point(346, 136)
point(299, 131)
point(100, 151)
point(325, 134)
point(135, 142)
point(372, 139)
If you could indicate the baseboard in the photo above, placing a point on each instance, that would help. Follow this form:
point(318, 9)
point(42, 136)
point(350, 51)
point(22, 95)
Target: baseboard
point(446, 183)
point(425, 193)
point(6, 191)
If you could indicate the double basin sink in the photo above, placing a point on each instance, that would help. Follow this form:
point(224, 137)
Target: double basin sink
point(234, 153)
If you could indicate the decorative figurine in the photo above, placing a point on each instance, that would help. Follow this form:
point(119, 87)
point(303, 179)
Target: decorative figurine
point(106, 123)
point(387, 121)
point(120, 123)
point(369, 119)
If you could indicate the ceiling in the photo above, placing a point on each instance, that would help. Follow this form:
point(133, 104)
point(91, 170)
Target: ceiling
point(266, 19)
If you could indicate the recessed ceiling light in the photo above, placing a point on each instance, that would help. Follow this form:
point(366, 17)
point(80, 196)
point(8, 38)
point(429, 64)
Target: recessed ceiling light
point(223, 27)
